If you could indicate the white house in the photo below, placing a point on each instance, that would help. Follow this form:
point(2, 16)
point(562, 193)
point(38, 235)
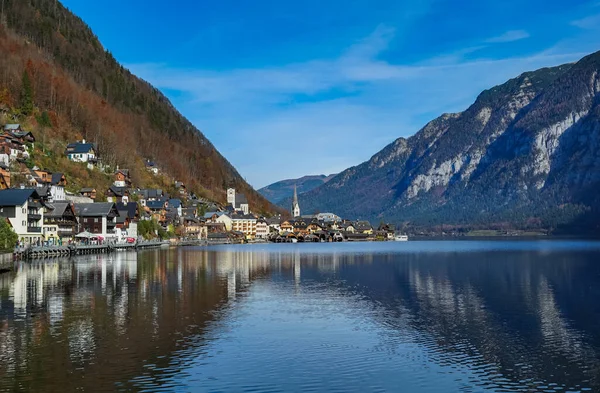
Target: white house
point(81, 152)
point(25, 211)
point(262, 229)
point(219, 217)
point(225, 219)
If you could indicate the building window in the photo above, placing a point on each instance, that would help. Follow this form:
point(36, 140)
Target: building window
point(95, 220)
point(23, 223)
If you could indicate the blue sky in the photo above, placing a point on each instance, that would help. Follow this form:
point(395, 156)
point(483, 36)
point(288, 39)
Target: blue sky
point(285, 89)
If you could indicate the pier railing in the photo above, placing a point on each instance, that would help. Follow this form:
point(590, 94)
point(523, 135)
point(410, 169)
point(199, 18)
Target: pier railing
point(34, 252)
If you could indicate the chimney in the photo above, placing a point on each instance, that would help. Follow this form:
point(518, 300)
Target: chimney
point(83, 141)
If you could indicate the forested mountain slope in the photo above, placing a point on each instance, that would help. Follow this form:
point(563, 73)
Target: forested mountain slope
point(84, 92)
point(525, 155)
point(283, 189)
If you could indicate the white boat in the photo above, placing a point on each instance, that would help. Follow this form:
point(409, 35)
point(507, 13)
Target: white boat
point(401, 238)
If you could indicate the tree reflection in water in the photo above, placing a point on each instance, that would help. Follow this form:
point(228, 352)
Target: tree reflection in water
point(519, 318)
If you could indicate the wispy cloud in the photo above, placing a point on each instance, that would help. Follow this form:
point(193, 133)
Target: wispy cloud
point(341, 110)
point(509, 36)
point(588, 23)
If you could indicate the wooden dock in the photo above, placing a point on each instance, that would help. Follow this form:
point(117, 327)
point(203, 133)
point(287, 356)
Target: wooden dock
point(71, 250)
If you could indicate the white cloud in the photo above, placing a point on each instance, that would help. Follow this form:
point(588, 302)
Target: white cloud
point(509, 36)
point(588, 23)
point(324, 115)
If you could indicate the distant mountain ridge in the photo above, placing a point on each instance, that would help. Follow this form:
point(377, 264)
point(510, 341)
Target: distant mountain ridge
point(526, 155)
point(283, 189)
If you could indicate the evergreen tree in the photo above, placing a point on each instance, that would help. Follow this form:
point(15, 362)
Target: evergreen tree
point(26, 95)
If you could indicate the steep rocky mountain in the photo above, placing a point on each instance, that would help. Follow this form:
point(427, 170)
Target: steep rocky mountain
point(80, 91)
point(283, 189)
point(526, 154)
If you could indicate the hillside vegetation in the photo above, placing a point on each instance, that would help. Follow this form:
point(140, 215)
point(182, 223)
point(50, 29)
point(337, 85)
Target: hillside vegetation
point(79, 91)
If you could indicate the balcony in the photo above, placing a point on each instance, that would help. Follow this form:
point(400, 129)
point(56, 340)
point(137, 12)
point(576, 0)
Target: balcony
point(34, 217)
point(34, 229)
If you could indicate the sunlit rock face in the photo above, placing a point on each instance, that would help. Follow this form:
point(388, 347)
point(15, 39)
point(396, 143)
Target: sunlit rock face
point(525, 151)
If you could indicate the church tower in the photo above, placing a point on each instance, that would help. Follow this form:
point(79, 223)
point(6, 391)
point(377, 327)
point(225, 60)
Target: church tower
point(295, 205)
point(231, 196)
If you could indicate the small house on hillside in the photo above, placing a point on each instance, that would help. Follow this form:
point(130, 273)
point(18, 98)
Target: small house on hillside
point(158, 210)
point(81, 152)
point(117, 194)
point(122, 178)
point(152, 167)
point(88, 192)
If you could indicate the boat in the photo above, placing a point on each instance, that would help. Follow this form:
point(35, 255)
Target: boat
point(401, 238)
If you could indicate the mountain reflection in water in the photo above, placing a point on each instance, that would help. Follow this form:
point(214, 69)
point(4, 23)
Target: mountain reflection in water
point(422, 316)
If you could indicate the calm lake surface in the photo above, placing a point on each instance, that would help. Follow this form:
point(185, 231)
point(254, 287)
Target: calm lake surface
point(464, 316)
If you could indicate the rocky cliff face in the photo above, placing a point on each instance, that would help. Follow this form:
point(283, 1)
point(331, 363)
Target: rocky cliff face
point(525, 154)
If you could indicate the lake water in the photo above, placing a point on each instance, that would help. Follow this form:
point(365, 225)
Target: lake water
point(448, 316)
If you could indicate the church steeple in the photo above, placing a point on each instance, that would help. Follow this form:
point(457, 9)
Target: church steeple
point(295, 205)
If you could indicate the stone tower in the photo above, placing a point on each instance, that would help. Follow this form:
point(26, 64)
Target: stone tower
point(231, 196)
point(295, 205)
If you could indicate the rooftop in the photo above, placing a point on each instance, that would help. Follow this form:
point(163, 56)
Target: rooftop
point(94, 209)
point(79, 147)
point(16, 196)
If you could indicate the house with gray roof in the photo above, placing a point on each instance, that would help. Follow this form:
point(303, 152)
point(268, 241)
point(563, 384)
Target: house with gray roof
point(60, 221)
point(97, 218)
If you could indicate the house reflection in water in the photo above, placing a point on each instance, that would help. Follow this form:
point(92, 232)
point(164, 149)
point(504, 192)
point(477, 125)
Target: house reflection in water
point(510, 319)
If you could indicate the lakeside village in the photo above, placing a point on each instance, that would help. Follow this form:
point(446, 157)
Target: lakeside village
point(42, 213)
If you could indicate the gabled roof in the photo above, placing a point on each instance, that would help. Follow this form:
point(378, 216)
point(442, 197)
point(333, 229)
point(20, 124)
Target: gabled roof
point(130, 208)
point(155, 205)
point(86, 190)
point(118, 191)
point(240, 199)
point(23, 134)
point(94, 209)
point(17, 196)
point(123, 171)
point(56, 178)
point(58, 211)
point(148, 193)
point(78, 147)
point(188, 211)
point(43, 191)
point(12, 127)
point(175, 203)
point(274, 220)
